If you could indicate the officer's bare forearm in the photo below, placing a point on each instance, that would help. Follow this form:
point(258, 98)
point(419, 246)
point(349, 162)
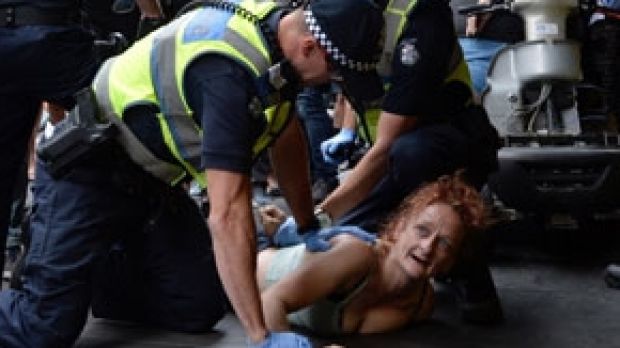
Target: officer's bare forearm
point(371, 168)
point(232, 227)
point(291, 165)
point(357, 184)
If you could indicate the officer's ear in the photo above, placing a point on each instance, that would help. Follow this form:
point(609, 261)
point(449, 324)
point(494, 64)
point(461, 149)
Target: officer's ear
point(309, 46)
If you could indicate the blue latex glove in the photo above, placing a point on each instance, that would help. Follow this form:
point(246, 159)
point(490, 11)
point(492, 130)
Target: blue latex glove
point(283, 340)
point(335, 150)
point(287, 234)
point(316, 240)
point(319, 240)
point(328, 233)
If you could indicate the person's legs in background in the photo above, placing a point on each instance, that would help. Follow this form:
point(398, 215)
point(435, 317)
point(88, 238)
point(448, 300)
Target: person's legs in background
point(312, 107)
point(69, 66)
point(599, 56)
point(478, 54)
point(18, 117)
point(15, 243)
point(14, 232)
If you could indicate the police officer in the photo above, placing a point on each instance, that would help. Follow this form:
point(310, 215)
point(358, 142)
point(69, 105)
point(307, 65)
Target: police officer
point(45, 56)
point(200, 96)
point(428, 127)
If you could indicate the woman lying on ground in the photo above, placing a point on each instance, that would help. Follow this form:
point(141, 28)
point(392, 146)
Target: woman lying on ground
point(358, 287)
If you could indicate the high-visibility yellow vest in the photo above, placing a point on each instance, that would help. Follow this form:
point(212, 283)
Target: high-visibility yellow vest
point(396, 16)
point(151, 73)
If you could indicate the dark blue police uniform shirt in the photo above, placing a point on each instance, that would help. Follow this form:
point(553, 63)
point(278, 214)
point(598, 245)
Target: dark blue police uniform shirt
point(56, 4)
point(49, 62)
point(421, 60)
point(220, 90)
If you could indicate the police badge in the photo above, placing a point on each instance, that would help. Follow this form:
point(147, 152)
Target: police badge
point(409, 54)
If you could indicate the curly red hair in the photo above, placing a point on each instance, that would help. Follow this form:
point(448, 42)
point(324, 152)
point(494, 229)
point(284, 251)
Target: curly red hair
point(448, 189)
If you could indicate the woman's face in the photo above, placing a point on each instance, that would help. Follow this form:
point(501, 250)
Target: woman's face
point(429, 243)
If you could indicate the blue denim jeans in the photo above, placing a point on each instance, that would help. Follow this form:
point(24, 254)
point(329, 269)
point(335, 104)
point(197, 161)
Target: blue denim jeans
point(312, 108)
point(165, 274)
point(478, 54)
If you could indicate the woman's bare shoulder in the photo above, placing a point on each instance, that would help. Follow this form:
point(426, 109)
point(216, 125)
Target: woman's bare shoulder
point(351, 242)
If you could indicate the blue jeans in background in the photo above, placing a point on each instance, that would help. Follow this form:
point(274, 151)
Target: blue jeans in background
point(478, 54)
point(312, 105)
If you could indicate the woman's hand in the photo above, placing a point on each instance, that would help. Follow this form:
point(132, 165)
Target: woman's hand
point(271, 217)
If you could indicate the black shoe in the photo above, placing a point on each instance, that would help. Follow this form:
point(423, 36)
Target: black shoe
point(322, 187)
point(478, 300)
point(612, 276)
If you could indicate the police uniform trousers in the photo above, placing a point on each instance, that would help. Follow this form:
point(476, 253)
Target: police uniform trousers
point(108, 230)
point(463, 141)
point(37, 63)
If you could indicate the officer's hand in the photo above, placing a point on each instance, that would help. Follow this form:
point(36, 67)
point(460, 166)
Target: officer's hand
point(315, 242)
point(271, 217)
point(287, 234)
point(318, 240)
point(283, 340)
point(336, 149)
point(359, 233)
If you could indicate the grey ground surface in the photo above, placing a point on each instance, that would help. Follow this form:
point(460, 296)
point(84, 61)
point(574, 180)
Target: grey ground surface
point(550, 285)
point(545, 306)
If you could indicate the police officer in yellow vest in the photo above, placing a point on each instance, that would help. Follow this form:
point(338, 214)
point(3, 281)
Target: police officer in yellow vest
point(200, 96)
point(428, 126)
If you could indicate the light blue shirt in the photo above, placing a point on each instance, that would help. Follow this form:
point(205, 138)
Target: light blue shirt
point(612, 4)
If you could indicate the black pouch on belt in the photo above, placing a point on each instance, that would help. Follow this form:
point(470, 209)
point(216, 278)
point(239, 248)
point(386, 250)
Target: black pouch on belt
point(76, 136)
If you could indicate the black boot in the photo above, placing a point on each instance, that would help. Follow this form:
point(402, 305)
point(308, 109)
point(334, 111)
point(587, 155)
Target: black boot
point(477, 297)
point(612, 275)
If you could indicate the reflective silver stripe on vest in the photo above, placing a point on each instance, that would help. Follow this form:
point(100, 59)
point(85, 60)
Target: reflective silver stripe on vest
point(162, 170)
point(184, 130)
point(182, 126)
point(384, 67)
point(261, 63)
point(400, 5)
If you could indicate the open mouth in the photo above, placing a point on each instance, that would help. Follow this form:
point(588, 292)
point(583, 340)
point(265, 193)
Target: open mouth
point(418, 259)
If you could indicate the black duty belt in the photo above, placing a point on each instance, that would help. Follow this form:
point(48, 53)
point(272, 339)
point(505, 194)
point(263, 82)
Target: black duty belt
point(13, 16)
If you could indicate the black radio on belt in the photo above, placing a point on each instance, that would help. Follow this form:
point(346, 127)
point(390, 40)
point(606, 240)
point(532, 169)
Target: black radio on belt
point(75, 136)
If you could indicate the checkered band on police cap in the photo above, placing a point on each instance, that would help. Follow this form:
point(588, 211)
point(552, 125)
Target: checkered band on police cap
point(335, 53)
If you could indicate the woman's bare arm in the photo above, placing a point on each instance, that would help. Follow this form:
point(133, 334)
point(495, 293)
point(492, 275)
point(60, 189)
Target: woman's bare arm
point(320, 275)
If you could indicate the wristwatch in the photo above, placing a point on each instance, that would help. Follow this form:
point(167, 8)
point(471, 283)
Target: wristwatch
point(325, 220)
